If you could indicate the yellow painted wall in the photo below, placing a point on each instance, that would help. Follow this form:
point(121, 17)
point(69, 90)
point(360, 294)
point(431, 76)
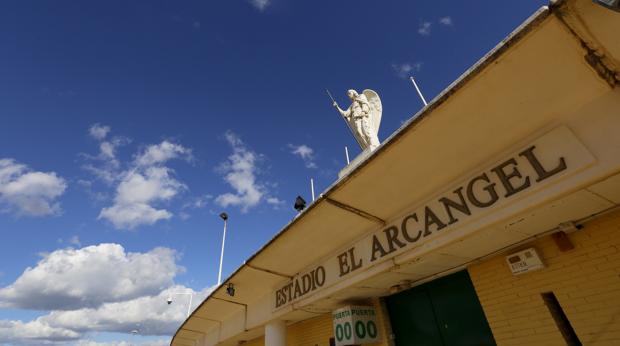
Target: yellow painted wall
point(311, 332)
point(317, 331)
point(256, 342)
point(585, 281)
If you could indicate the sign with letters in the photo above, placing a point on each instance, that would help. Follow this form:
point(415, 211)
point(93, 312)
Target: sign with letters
point(355, 325)
point(532, 168)
point(524, 261)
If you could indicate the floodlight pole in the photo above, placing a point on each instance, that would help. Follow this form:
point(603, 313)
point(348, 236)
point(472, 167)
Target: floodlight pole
point(191, 296)
point(219, 275)
point(312, 188)
point(189, 307)
point(418, 90)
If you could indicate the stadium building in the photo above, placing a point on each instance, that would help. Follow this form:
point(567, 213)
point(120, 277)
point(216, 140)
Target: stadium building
point(491, 217)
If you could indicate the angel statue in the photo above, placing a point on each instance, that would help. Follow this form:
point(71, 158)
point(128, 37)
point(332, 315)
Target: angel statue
point(363, 117)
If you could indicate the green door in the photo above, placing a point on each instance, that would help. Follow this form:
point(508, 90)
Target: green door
point(443, 312)
point(412, 318)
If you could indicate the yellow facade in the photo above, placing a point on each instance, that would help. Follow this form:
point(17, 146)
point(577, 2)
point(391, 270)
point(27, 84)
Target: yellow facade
point(312, 332)
point(585, 281)
point(317, 331)
point(256, 342)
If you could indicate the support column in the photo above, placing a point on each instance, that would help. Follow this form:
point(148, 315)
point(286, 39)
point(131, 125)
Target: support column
point(275, 333)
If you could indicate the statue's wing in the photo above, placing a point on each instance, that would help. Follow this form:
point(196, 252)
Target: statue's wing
point(376, 109)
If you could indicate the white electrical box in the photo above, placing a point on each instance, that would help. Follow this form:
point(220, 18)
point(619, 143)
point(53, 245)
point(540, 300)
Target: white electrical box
point(524, 261)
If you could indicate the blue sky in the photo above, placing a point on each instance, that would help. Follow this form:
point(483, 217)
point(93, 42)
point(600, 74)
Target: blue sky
point(127, 127)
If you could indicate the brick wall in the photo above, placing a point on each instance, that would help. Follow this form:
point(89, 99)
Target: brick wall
point(256, 342)
point(585, 280)
point(311, 332)
point(317, 331)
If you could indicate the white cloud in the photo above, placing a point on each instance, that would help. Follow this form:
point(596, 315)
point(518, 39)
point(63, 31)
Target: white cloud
point(87, 186)
point(198, 202)
point(240, 173)
point(155, 183)
point(406, 69)
point(424, 28)
point(149, 315)
point(29, 192)
point(135, 195)
point(144, 184)
point(75, 240)
point(33, 333)
point(261, 5)
point(184, 215)
point(105, 166)
point(447, 21)
point(88, 277)
point(108, 149)
point(108, 290)
point(105, 173)
point(305, 152)
point(201, 201)
point(98, 131)
point(275, 202)
point(161, 342)
point(160, 153)
point(131, 216)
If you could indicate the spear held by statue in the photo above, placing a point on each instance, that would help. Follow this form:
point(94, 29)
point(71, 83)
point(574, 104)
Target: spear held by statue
point(335, 104)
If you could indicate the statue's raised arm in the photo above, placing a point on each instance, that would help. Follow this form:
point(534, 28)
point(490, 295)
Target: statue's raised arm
point(345, 113)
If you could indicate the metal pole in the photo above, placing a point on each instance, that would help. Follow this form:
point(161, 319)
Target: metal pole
point(346, 152)
point(312, 188)
point(189, 308)
point(219, 275)
point(191, 296)
point(418, 90)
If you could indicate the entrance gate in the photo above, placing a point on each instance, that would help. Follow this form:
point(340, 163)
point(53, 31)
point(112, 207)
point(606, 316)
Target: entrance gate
point(443, 312)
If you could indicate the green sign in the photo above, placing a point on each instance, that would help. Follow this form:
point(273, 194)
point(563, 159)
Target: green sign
point(355, 325)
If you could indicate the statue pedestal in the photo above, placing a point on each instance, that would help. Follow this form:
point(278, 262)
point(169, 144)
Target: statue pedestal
point(356, 161)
